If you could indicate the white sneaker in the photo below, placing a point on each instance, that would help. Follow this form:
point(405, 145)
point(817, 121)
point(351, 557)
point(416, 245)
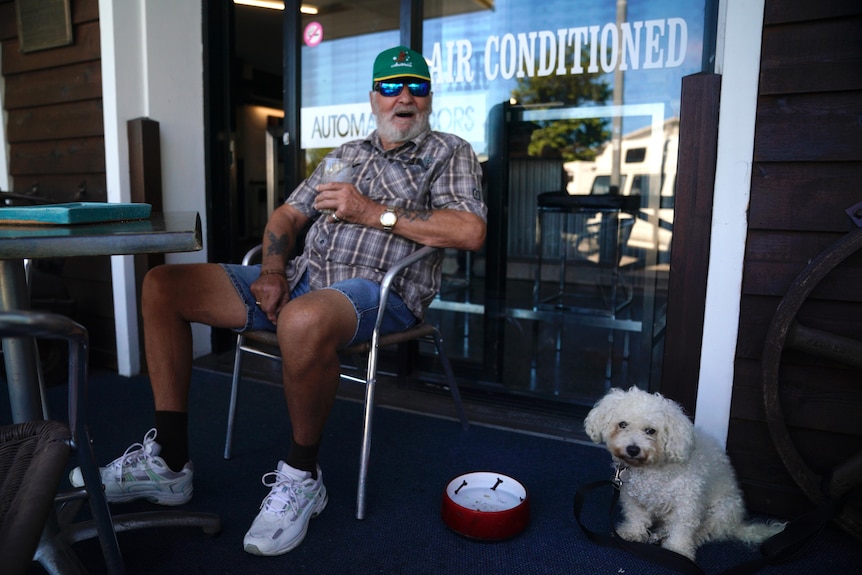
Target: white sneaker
point(141, 474)
point(284, 514)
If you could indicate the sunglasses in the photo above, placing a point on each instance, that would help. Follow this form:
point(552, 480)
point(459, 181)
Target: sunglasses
point(392, 89)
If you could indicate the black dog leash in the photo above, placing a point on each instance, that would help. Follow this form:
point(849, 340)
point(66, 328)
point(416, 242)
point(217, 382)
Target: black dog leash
point(654, 553)
point(780, 548)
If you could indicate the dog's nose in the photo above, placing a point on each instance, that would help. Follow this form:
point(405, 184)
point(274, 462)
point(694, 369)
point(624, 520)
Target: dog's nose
point(633, 450)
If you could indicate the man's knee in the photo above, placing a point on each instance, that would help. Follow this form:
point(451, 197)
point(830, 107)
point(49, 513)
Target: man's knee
point(323, 319)
point(299, 321)
point(155, 285)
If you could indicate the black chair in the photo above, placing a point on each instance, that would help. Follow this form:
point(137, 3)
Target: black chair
point(33, 457)
point(265, 343)
point(54, 551)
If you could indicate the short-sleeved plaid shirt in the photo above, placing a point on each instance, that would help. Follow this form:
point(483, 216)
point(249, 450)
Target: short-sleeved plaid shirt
point(435, 170)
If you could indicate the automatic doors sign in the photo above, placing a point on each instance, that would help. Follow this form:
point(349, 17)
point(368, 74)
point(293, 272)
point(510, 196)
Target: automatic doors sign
point(331, 126)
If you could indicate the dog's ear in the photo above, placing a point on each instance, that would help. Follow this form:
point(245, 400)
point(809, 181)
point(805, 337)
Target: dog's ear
point(600, 418)
point(678, 433)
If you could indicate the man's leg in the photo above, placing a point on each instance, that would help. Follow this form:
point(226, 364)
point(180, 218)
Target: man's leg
point(158, 469)
point(311, 329)
point(173, 297)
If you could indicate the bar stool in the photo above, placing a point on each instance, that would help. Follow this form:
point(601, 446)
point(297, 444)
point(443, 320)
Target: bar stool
point(605, 222)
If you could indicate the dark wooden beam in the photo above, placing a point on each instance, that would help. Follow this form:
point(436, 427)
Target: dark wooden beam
point(698, 148)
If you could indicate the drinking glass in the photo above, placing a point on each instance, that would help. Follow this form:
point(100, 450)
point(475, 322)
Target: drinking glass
point(335, 170)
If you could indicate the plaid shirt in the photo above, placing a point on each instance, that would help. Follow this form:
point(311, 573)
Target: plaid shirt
point(435, 170)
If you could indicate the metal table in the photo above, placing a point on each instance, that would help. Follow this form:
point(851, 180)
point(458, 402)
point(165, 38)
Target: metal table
point(160, 233)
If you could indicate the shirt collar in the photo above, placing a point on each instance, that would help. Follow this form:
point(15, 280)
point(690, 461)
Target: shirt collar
point(374, 140)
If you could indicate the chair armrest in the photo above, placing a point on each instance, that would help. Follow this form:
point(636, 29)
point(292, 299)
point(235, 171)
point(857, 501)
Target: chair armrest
point(251, 254)
point(392, 272)
point(385, 284)
point(46, 325)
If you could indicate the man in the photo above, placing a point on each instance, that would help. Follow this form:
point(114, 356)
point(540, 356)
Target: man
point(409, 186)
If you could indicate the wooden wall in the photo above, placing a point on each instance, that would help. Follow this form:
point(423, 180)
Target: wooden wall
point(807, 171)
point(53, 103)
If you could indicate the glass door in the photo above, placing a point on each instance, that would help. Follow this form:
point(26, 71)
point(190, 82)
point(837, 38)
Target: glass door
point(573, 112)
point(338, 47)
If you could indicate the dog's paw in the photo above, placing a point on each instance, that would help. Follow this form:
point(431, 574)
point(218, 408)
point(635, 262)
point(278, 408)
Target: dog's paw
point(656, 537)
point(634, 533)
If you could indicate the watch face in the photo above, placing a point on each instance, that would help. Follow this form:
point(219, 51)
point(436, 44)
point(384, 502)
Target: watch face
point(388, 219)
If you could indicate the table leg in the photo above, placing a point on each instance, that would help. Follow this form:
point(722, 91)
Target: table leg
point(19, 354)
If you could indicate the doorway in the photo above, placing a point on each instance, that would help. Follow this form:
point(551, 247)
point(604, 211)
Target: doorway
point(505, 336)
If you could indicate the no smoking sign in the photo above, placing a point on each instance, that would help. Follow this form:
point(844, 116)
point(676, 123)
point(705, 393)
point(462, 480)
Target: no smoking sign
point(313, 34)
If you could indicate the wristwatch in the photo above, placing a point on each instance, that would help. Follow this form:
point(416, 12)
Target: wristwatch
point(388, 219)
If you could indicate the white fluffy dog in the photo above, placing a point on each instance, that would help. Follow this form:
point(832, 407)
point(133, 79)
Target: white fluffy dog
point(679, 488)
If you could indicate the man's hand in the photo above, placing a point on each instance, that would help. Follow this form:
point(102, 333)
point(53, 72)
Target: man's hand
point(271, 292)
point(345, 202)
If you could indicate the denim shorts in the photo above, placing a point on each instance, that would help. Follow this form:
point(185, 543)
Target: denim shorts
point(363, 294)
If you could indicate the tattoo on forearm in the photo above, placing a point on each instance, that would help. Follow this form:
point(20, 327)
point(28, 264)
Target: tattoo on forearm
point(278, 245)
point(414, 215)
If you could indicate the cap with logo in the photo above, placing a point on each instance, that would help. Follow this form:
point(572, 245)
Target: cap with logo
point(400, 62)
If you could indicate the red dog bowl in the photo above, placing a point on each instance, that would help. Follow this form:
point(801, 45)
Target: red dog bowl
point(486, 505)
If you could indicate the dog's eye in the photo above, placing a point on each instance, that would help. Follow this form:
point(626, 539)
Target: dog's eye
point(649, 431)
point(623, 424)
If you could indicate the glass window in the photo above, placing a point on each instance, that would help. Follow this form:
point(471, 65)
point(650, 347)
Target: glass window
point(338, 51)
point(586, 96)
point(591, 90)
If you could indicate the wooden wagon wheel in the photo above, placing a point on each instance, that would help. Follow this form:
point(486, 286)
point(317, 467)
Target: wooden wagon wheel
point(783, 332)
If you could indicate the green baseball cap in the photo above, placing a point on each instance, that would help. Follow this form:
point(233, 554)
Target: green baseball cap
point(400, 62)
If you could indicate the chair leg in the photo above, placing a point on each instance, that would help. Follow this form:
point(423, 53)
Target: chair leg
point(365, 452)
point(78, 403)
point(234, 392)
point(370, 387)
point(99, 506)
point(450, 377)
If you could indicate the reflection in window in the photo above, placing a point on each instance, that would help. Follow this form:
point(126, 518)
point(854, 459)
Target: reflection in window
point(635, 155)
point(602, 185)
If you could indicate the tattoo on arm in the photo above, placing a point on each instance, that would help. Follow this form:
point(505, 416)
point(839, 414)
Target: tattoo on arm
point(278, 245)
point(414, 215)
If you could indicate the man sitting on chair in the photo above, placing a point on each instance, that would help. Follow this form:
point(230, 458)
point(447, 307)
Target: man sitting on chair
point(410, 186)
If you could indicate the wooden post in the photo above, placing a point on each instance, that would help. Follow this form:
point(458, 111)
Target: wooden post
point(145, 176)
point(698, 151)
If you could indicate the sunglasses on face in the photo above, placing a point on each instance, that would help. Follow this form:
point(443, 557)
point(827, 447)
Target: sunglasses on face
point(392, 89)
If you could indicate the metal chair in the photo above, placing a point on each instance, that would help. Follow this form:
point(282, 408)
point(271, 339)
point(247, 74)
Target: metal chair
point(265, 343)
point(53, 552)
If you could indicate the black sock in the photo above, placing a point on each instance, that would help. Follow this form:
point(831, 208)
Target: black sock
point(172, 428)
point(303, 457)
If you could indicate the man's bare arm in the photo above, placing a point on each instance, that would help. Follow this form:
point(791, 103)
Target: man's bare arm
point(280, 236)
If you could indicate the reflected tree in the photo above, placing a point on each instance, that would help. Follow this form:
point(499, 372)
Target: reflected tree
point(570, 139)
